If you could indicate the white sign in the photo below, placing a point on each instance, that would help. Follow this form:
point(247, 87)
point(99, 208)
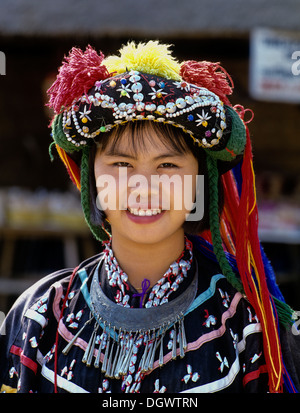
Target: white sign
point(275, 65)
point(2, 64)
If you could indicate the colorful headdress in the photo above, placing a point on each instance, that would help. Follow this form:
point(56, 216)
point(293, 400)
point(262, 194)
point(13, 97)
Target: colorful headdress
point(92, 95)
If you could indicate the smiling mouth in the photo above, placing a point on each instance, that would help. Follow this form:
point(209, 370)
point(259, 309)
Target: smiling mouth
point(144, 212)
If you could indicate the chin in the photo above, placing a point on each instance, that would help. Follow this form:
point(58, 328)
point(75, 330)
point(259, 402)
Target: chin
point(145, 237)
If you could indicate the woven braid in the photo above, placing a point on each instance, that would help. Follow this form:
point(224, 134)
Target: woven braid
point(97, 231)
point(213, 177)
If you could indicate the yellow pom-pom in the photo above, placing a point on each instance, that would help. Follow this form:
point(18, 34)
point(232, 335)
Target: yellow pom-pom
point(151, 57)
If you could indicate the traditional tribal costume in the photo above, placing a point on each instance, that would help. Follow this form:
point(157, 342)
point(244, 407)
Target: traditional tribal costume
point(216, 320)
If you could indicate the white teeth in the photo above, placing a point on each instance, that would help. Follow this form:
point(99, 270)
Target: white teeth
point(144, 212)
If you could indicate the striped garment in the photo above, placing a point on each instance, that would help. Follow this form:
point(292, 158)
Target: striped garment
point(224, 350)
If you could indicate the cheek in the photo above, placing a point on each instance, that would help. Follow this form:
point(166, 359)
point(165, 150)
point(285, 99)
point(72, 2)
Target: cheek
point(106, 187)
point(190, 186)
point(98, 164)
point(188, 192)
point(112, 190)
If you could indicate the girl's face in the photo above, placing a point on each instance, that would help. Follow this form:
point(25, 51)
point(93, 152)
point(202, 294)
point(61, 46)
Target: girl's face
point(146, 193)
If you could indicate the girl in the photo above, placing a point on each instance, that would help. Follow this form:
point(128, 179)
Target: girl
point(181, 298)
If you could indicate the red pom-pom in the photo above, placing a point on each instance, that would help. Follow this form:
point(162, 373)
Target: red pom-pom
point(206, 74)
point(78, 73)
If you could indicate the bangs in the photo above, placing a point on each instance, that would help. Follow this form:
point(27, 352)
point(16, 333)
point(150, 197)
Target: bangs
point(139, 132)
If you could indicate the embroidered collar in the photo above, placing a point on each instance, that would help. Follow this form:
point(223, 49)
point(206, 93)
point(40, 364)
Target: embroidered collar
point(125, 330)
point(123, 293)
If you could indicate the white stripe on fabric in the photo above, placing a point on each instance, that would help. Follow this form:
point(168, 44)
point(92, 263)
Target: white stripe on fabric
point(33, 315)
point(61, 382)
point(226, 381)
point(218, 384)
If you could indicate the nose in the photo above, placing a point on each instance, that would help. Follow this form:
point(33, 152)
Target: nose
point(142, 192)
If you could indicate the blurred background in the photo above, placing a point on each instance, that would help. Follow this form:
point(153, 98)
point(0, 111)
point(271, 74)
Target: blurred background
point(256, 41)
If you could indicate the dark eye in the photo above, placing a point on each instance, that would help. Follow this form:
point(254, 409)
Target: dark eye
point(122, 164)
point(167, 165)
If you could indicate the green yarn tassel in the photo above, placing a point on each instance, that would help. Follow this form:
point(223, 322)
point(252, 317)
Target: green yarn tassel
point(285, 312)
point(97, 231)
point(51, 146)
point(213, 177)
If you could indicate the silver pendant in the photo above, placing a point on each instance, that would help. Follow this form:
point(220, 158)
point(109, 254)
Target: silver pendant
point(140, 331)
point(68, 347)
point(89, 352)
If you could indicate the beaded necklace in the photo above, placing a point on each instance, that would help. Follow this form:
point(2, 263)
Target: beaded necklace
point(130, 339)
point(161, 291)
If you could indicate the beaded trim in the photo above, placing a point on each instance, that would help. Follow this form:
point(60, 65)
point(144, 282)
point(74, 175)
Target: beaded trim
point(138, 96)
point(161, 291)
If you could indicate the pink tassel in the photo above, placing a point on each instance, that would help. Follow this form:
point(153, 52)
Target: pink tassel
point(206, 74)
point(78, 73)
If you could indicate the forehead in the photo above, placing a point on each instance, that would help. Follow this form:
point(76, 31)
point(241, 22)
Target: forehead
point(142, 137)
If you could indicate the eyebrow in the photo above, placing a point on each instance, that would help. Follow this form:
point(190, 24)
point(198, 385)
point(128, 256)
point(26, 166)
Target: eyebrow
point(116, 153)
point(112, 152)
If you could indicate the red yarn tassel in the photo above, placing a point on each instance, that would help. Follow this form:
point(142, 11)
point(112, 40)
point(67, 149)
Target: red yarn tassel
point(206, 74)
point(252, 272)
point(72, 168)
point(78, 73)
